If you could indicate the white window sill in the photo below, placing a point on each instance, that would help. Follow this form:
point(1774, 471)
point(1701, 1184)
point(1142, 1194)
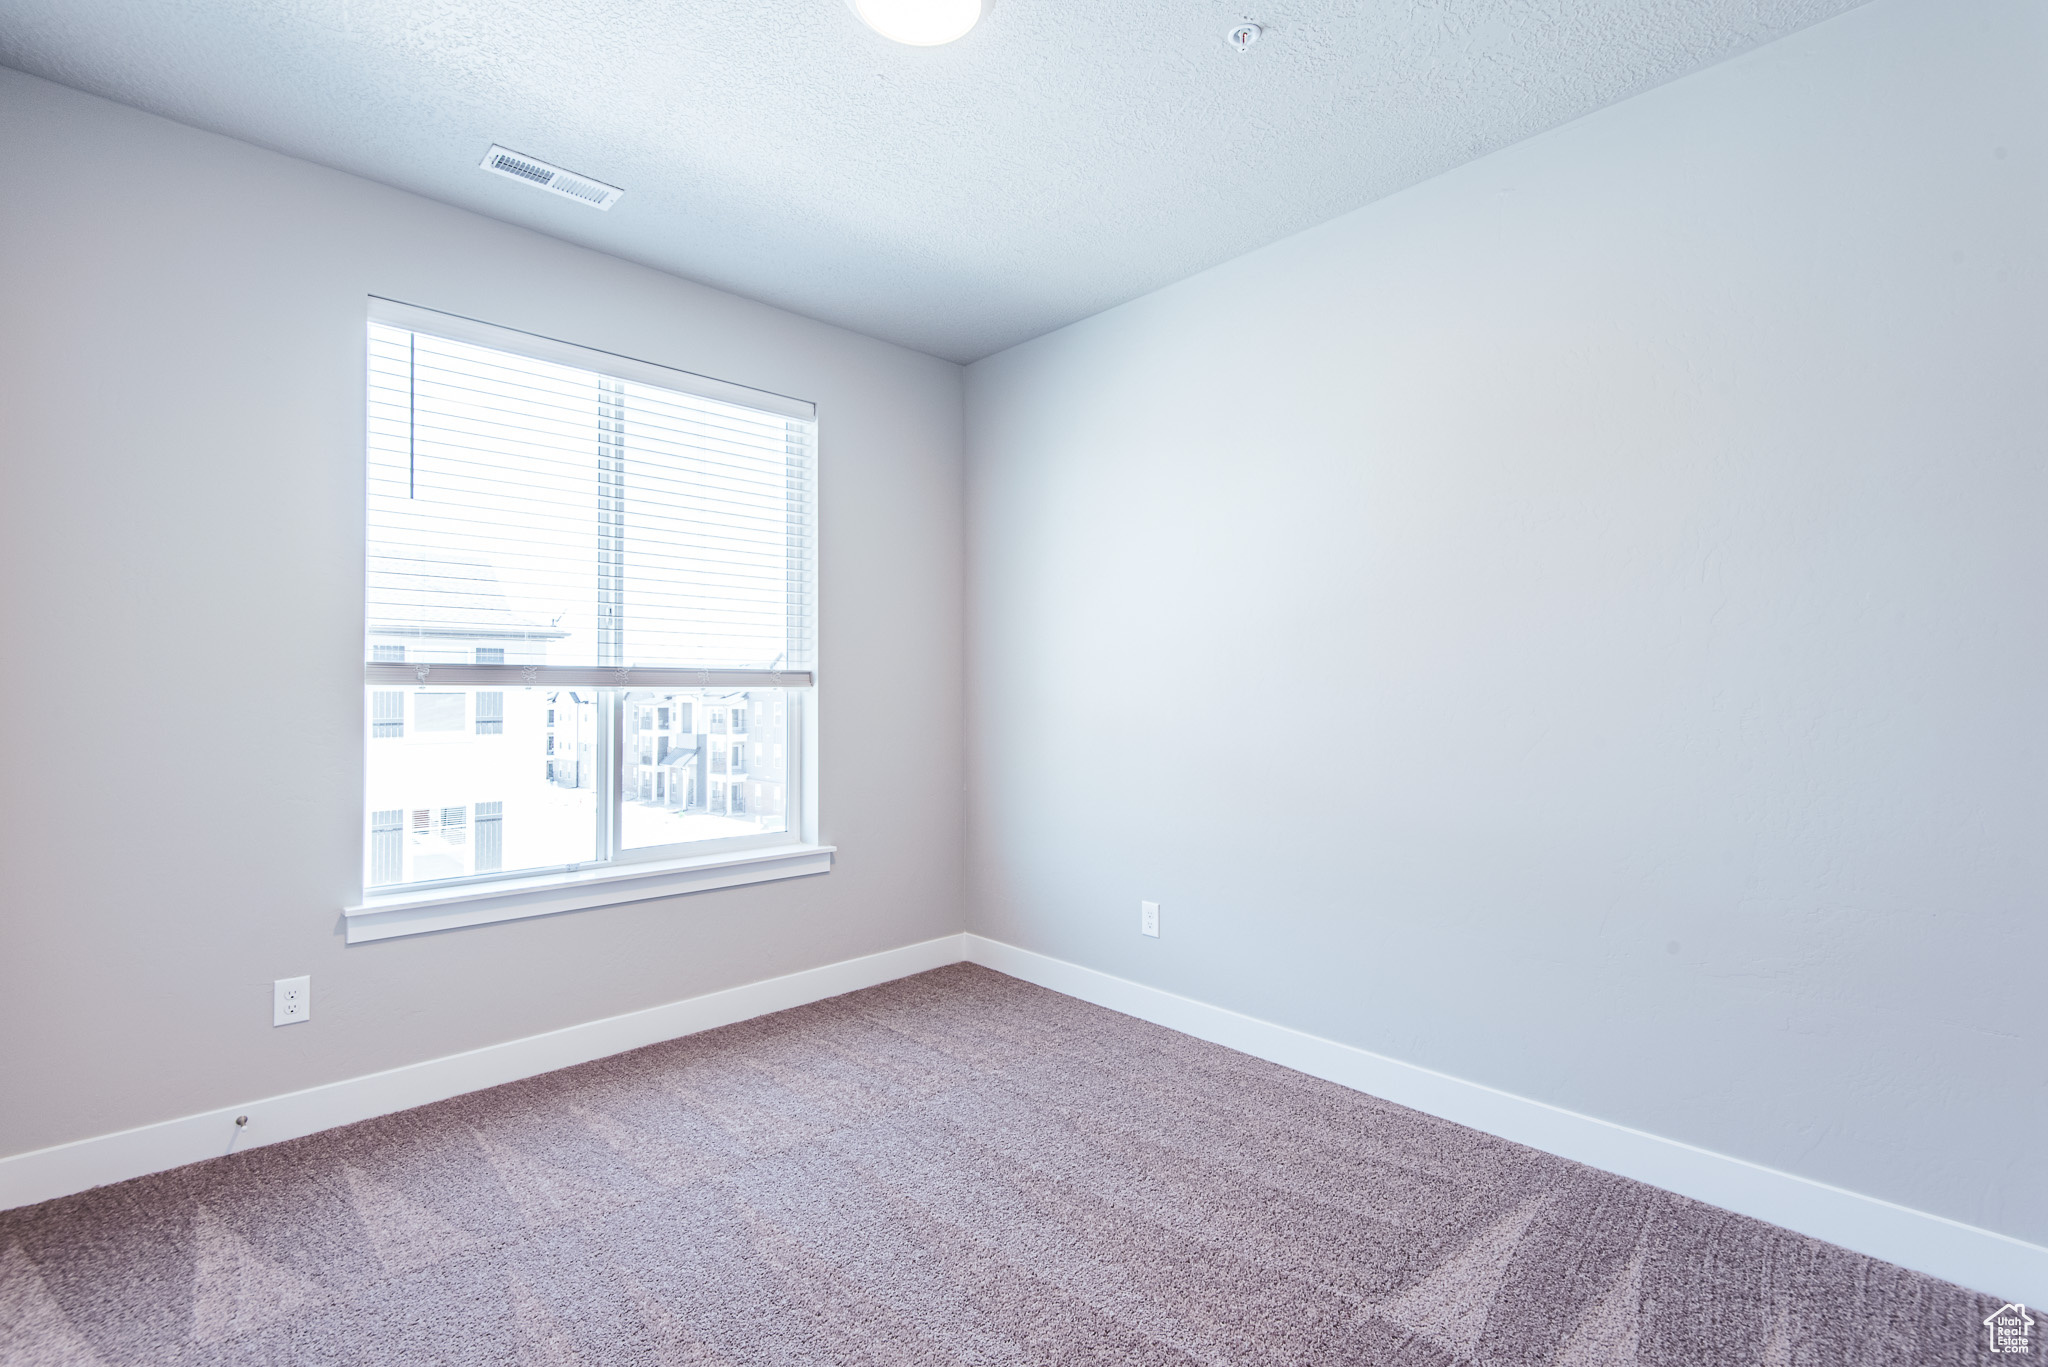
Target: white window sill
point(382, 918)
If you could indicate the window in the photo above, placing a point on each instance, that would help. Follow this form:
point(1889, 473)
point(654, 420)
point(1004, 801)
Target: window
point(387, 845)
point(640, 542)
point(739, 759)
point(489, 846)
point(439, 711)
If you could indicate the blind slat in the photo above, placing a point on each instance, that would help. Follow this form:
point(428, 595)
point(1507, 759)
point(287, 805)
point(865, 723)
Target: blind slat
point(588, 521)
point(456, 673)
point(527, 348)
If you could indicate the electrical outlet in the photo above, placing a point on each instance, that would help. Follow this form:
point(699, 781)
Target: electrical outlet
point(1148, 919)
point(291, 1001)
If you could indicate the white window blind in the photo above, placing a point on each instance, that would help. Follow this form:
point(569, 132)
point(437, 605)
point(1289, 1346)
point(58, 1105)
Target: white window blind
point(606, 522)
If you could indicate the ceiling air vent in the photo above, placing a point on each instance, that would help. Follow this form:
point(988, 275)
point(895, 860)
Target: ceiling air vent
point(512, 165)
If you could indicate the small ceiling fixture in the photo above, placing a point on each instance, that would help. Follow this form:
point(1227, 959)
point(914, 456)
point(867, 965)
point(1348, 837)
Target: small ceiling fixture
point(1244, 35)
point(920, 23)
point(503, 161)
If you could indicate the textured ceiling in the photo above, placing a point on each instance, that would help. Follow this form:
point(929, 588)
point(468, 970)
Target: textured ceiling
point(1061, 158)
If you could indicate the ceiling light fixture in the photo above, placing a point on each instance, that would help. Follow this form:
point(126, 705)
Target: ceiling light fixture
point(920, 23)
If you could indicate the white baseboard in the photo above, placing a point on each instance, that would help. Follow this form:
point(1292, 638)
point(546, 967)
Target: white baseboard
point(2008, 1268)
point(41, 1174)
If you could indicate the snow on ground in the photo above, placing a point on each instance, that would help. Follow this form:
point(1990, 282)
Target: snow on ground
point(647, 824)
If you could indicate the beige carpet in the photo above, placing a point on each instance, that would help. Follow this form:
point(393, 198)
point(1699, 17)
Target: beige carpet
point(956, 1168)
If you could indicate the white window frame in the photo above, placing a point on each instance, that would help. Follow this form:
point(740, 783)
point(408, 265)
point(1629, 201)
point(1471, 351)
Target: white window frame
point(619, 875)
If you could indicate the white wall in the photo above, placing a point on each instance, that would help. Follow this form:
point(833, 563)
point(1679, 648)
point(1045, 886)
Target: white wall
point(1577, 624)
point(181, 426)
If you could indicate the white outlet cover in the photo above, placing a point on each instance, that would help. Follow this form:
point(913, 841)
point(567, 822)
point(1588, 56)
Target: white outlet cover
point(291, 1001)
point(1148, 919)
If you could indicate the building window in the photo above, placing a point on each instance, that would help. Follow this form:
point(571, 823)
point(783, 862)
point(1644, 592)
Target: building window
point(739, 759)
point(387, 715)
point(527, 491)
point(439, 711)
point(490, 838)
point(387, 847)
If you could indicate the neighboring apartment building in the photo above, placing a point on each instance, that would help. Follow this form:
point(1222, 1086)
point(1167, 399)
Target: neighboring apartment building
point(572, 737)
point(449, 766)
point(707, 751)
point(462, 781)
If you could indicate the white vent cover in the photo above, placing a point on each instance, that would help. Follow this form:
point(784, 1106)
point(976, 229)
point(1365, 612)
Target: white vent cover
point(527, 170)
